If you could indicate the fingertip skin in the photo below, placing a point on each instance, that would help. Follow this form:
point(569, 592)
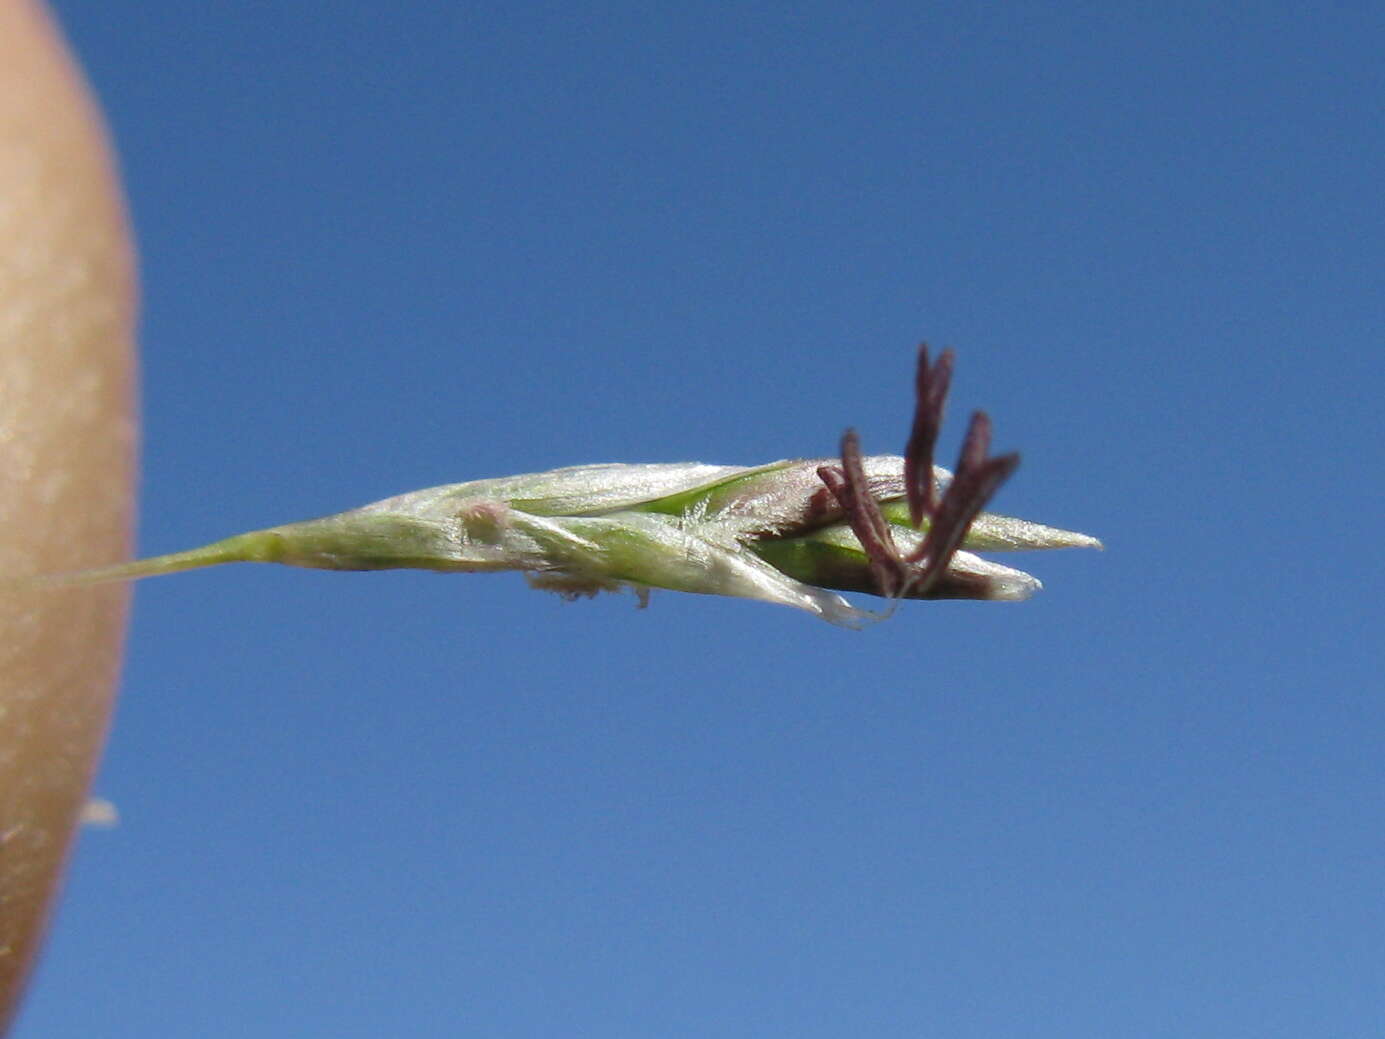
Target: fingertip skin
point(67, 457)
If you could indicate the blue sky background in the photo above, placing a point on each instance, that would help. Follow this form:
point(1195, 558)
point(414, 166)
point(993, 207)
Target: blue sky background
point(386, 246)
